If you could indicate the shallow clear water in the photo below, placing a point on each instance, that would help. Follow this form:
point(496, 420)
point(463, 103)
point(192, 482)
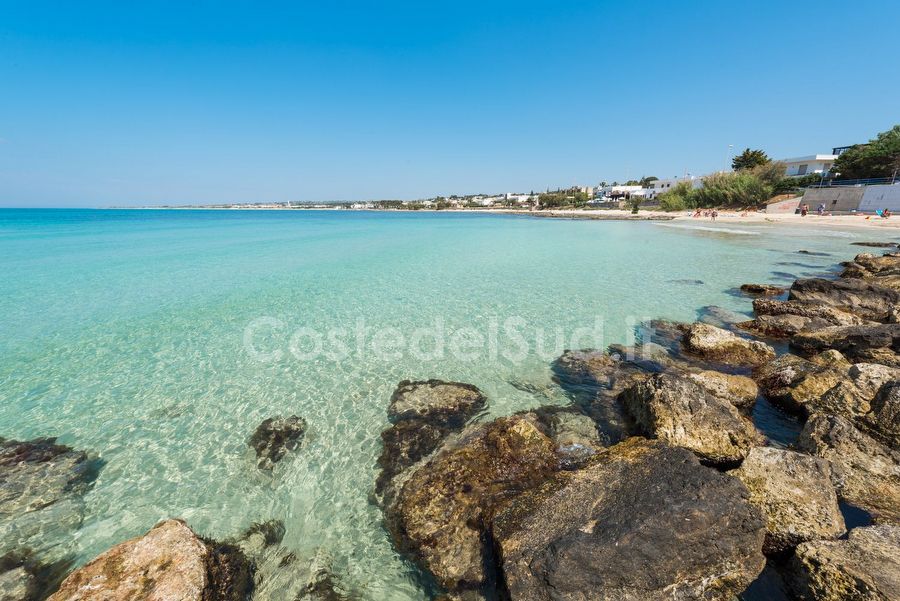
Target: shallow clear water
point(160, 339)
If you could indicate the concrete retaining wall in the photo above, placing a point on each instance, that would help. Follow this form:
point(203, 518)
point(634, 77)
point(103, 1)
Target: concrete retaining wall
point(877, 198)
point(836, 200)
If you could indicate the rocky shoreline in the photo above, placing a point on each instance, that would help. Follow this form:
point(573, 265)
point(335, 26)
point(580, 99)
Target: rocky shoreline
point(653, 483)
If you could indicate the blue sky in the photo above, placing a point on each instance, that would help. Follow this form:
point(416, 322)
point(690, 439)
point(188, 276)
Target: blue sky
point(127, 103)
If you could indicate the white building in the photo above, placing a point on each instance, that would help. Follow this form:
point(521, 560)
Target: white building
point(819, 164)
point(618, 191)
point(657, 187)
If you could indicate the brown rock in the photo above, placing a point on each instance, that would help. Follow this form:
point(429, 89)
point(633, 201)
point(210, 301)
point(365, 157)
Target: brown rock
point(794, 383)
point(795, 494)
point(762, 289)
point(836, 317)
point(865, 567)
point(169, 563)
point(864, 472)
point(720, 346)
point(679, 411)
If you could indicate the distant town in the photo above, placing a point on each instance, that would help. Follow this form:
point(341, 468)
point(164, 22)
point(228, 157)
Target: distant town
point(849, 179)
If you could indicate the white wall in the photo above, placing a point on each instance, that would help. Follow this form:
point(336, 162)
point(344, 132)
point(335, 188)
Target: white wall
point(793, 169)
point(881, 197)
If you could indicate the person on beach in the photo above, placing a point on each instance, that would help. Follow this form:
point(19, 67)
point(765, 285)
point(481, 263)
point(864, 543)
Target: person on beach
point(885, 213)
point(714, 214)
point(821, 209)
point(804, 210)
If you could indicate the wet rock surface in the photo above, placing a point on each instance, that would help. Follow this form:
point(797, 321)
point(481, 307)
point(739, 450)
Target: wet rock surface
point(441, 514)
point(41, 489)
point(865, 472)
point(721, 346)
point(679, 411)
point(865, 566)
point(167, 563)
point(795, 493)
point(423, 414)
point(275, 437)
point(643, 521)
point(762, 289)
point(837, 317)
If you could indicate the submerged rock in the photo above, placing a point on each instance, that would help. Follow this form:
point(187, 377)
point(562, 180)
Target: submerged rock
point(25, 578)
point(795, 494)
point(865, 566)
point(41, 489)
point(865, 473)
point(441, 514)
point(274, 437)
point(574, 435)
point(876, 244)
point(595, 378)
point(643, 521)
point(681, 412)
point(762, 290)
point(423, 414)
point(721, 346)
point(169, 562)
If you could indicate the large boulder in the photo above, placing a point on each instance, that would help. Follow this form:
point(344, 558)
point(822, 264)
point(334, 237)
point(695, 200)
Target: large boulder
point(865, 472)
point(168, 563)
point(836, 317)
point(41, 488)
point(782, 326)
point(274, 438)
point(442, 512)
point(883, 418)
point(863, 298)
point(644, 521)
point(740, 391)
point(794, 383)
point(795, 493)
point(679, 411)
point(849, 340)
point(852, 396)
point(422, 414)
point(721, 346)
point(864, 567)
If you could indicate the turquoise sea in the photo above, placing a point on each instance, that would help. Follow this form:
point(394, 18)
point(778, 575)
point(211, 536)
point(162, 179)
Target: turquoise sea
point(160, 339)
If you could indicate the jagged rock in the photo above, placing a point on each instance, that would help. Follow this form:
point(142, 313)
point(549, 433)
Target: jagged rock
point(836, 317)
point(423, 413)
point(762, 289)
point(41, 487)
point(883, 419)
point(852, 396)
point(849, 340)
point(167, 563)
point(679, 411)
point(643, 521)
point(274, 437)
point(864, 567)
point(860, 297)
point(865, 473)
point(793, 382)
point(740, 391)
point(721, 346)
point(442, 512)
point(882, 356)
point(795, 494)
point(867, 265)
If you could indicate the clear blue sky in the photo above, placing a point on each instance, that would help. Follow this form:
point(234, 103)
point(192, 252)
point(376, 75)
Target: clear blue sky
point(115, 103)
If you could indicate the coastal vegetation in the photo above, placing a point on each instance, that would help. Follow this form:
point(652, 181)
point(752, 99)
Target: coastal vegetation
point(749, 159)
point(879, 158)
